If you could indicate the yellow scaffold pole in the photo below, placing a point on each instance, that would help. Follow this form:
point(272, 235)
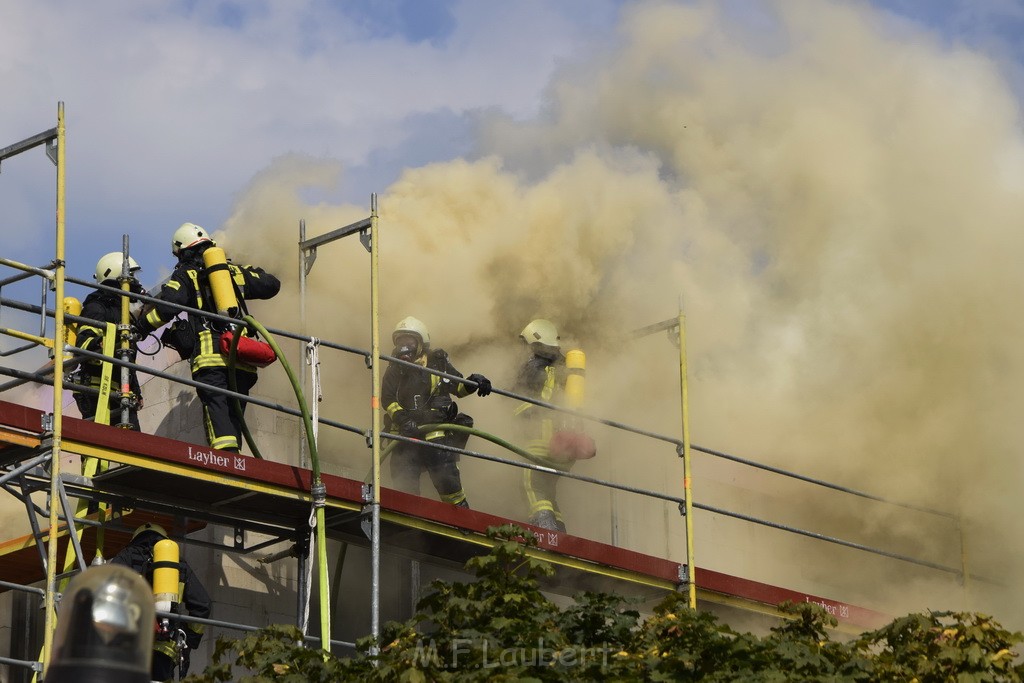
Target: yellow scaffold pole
point(691, 569)
point(375, 407)
point(58, 397)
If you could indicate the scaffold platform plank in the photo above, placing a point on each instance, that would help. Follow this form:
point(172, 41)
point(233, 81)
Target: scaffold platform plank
point(183, 480)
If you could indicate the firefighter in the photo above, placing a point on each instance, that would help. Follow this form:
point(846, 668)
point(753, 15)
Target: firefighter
point(105, 307)
point(189, 285)
point(541, 377)
point(413, 398)
point(167, 651)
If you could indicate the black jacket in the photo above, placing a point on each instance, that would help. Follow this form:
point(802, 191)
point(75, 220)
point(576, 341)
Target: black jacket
point(409, 389)
point(102, 307)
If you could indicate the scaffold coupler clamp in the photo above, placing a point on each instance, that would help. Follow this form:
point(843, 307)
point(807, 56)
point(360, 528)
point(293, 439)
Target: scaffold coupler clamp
point(682, 509)
point(681, 449)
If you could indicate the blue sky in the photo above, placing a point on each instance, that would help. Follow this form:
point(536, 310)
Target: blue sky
point(174, 105)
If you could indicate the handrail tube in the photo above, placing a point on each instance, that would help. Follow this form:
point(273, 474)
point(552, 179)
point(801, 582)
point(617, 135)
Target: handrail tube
point(238, 627)
point(48, 274)
point(819, 482)
point(536, 468)
point(28, 143)
point(830, 539)
point(44, 378)
point(33, 664)
point(24, 467)
point(15, 278)
point(19, 587)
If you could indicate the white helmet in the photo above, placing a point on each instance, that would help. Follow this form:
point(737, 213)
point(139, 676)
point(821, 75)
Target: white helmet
point(188, 235)
point(149, 526)
point(540, 331)
point(411, 325)
point(109, 267)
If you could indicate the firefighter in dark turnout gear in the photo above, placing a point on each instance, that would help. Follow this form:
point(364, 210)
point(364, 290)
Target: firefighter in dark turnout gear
point(189, 286)
point(138, 556)
point(541, 377)
point(413, 398)
point(105, 307)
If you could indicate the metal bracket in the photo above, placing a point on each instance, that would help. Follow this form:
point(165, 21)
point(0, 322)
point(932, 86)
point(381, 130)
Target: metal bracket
point(369, 439)
point(673, 336)
point(682, 509)
point(239, 538)
point(367, 492)
point(310, 259)
point(364, 237)
point(368, 359)
point(684, 575)
point(47, 423)
point(366, 514)
point(680, 450)
point(51, 151)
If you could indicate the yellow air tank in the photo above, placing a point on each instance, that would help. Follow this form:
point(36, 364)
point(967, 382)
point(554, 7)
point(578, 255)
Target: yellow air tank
point(220, 281)
point(576, 365)
point(165, 578)
point(571, 443)
point(72, 306)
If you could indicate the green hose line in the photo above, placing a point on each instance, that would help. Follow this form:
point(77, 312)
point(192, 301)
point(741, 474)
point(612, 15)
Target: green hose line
point(336, 577)
point(236, 405)
point(325, 588)
point(307, 421)
point(314, 456)
point(535, 459)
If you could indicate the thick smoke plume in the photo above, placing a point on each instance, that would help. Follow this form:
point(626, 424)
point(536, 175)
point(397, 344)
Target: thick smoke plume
point(834, 197)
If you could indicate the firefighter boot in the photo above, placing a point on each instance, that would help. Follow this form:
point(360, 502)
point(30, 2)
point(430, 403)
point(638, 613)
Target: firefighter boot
point(545, 519)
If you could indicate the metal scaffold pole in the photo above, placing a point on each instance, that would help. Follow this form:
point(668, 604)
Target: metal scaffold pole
point(376, 417)
point(304, 266)
point(58, 393)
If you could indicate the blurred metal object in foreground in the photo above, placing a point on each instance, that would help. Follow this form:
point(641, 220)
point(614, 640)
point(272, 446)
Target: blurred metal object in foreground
point(104, 630)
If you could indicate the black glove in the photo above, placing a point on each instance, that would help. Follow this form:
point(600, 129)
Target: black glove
point(192, 639)
point(483, 385)
point(406, 424)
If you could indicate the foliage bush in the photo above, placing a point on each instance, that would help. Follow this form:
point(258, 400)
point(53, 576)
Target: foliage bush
point(502, 628)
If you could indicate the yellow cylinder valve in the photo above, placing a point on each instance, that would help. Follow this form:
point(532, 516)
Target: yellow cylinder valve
point(576, 366)
point(219, 275)
point(165, 574)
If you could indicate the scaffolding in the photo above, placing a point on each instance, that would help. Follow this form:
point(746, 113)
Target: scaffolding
point(281, 502)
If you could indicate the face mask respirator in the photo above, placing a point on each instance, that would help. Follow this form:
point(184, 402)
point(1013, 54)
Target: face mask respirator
point(406, 352)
